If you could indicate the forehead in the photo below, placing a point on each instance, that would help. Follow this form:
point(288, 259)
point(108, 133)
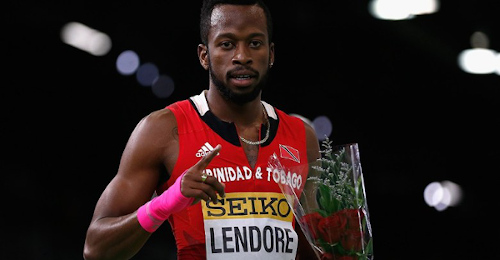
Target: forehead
point(237, 19)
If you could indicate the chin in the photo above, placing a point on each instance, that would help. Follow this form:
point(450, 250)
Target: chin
point(239, 97)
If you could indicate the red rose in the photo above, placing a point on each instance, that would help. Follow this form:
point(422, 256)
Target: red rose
point(327, 256)
point(331, 228)
point(346, 257)
point(311, 220)
point(351, 240)
point(353, 218)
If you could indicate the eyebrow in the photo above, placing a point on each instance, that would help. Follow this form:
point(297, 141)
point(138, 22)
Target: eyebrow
point(232, 35)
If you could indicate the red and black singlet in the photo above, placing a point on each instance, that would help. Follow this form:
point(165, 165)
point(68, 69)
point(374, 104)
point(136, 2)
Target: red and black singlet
point(254, 219)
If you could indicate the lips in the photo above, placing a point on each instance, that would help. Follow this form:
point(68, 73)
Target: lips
point(241, 81)
point(242, 74)
point(242, 77)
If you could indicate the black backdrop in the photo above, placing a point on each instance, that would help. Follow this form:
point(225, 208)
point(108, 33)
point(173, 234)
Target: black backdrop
point(394, 87)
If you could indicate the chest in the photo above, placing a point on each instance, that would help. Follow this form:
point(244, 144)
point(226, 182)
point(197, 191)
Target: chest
point(251, 153)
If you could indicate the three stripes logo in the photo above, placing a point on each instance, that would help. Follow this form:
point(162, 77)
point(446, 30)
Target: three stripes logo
point(289, 152)
point(206, 148)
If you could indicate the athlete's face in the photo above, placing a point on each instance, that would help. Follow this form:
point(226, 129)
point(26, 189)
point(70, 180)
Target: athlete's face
point(238, 53)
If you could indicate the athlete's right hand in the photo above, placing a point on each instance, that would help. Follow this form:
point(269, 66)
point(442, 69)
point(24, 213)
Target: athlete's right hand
point(193, 185)
point(188, 189)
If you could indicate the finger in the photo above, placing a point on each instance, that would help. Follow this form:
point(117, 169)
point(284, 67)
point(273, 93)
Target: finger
point(200, 194)
point(205, 160)
point(215, 187)
point(210, 193)
point(207, 190)
point(204, 192)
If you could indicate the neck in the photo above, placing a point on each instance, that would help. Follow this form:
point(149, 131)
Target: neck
point(243, 115)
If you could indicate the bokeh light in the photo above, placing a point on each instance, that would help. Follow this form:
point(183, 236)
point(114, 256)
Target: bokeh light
point(163, 86)
point(323, 127)
point(127, 62)
point(442, 195)
point(85, 38)
point(147, 74)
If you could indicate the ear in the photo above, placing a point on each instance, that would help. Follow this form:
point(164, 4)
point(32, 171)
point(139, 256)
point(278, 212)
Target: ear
point(271, 54)
point(203, 55)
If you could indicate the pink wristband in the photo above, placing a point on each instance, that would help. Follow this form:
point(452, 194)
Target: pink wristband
point(154, 212)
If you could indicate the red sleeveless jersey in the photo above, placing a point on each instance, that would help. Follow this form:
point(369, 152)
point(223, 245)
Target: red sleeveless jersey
point(253, 219)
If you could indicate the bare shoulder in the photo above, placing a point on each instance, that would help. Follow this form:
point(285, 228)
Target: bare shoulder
point(158, 124)
point(155, 138)
point(158, 118)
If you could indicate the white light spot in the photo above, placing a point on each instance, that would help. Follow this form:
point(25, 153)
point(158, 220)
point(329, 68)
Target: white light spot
point(455, 192)
point(127, 62)
point(478, 61)
point(401, 9)
point(433, 193)
point(442, 195)
point(389, 10)
point(85, 38)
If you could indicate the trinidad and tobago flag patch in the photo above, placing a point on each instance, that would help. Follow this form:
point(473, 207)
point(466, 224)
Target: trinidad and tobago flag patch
point(290, 153)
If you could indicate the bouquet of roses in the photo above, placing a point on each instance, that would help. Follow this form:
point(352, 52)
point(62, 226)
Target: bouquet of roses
point(330, 206)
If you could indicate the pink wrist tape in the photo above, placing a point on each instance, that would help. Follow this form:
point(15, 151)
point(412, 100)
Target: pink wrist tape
point(153, 213)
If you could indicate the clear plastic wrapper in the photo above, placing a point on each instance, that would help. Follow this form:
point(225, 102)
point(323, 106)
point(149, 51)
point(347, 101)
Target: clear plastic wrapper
point(328, 200)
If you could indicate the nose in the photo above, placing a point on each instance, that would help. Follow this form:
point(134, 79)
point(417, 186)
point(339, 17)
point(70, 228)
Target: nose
point(242, 55)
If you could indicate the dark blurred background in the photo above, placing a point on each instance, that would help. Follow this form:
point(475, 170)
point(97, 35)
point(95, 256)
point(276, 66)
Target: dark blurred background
point(393, 87)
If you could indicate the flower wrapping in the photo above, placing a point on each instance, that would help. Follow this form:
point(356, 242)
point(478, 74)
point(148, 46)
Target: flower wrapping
point(330, 206)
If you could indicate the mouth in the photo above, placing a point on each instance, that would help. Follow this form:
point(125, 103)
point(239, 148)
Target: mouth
point(242, 78)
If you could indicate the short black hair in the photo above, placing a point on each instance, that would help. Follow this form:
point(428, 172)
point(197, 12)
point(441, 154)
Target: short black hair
point(208, 7)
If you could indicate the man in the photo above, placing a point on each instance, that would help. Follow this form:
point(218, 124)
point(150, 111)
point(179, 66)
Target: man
point(207, 157)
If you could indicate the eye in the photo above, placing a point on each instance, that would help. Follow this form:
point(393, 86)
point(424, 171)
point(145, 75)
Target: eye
point(255, 44)
point(226, 44)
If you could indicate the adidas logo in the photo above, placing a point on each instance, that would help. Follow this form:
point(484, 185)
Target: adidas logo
point(206, 148)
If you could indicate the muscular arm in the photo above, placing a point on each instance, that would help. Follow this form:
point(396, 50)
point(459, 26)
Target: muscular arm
point(312, 144)
point(114, 231)
point(305, 251)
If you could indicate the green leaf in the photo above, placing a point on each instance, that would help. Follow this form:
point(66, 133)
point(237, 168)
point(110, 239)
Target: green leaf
point(335, 205)
point(339, 249)
point(324, 196)
point(323, 213)
point(369, 247)
point(327, 247)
